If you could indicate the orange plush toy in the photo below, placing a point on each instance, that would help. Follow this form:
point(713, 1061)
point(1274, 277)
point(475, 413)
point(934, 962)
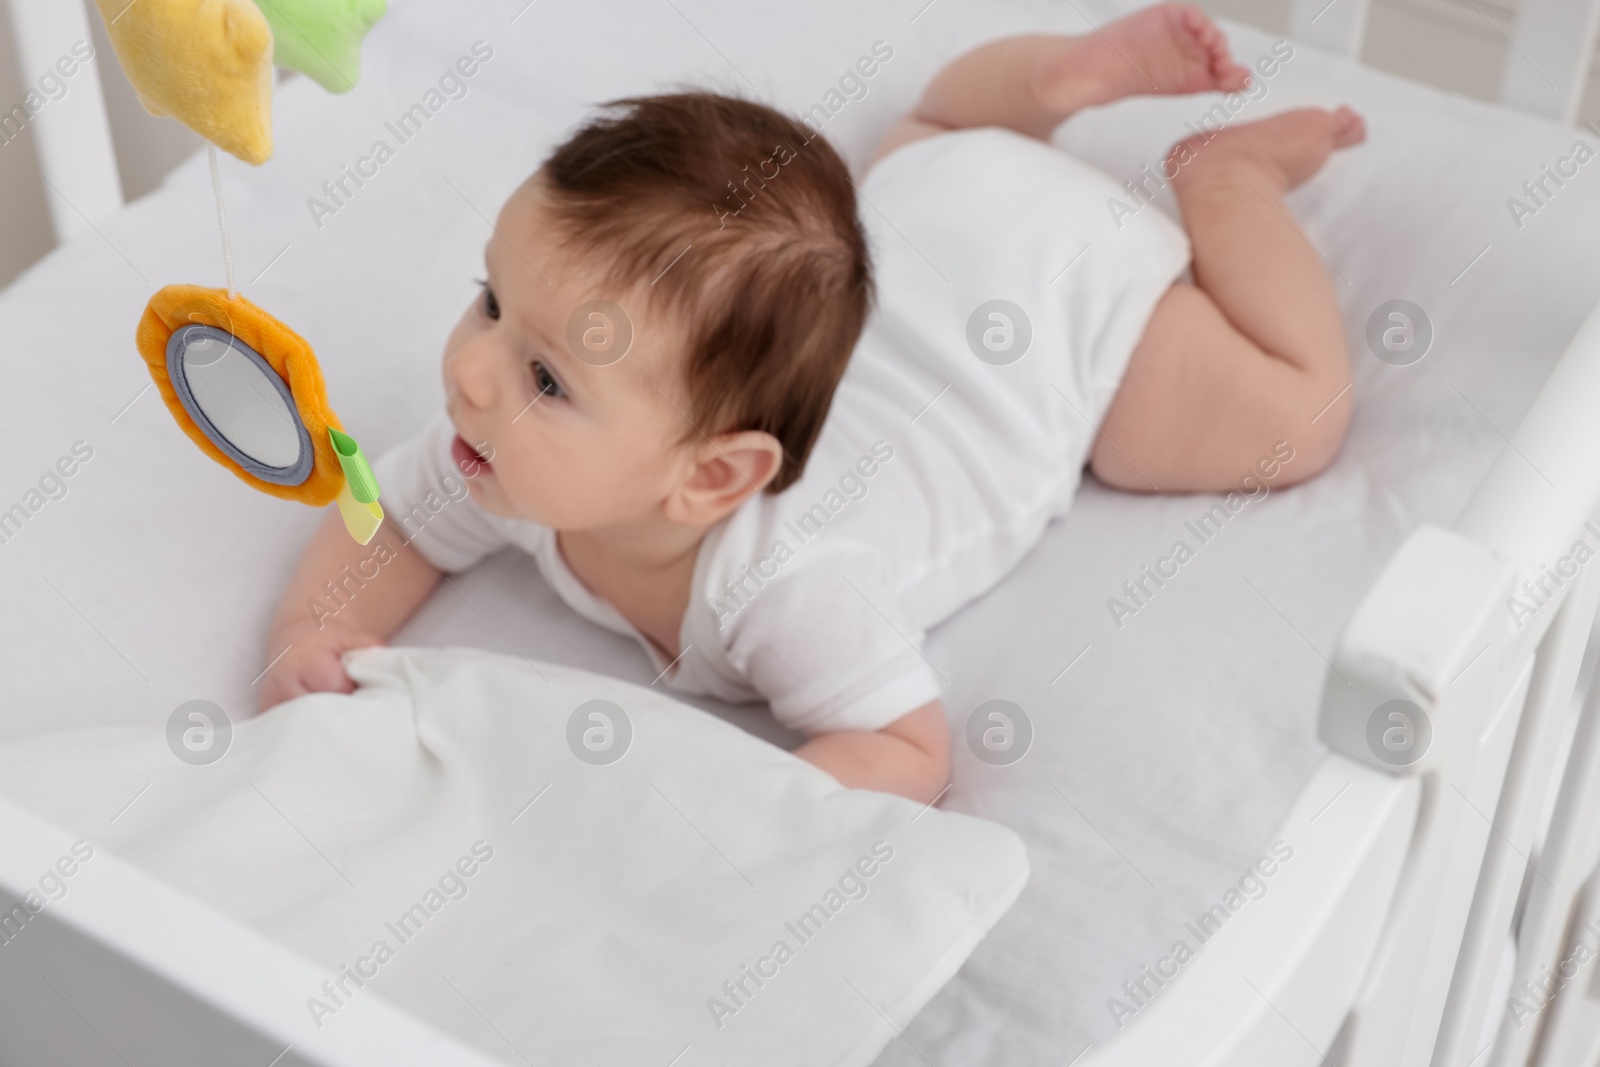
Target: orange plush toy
point(285, 351)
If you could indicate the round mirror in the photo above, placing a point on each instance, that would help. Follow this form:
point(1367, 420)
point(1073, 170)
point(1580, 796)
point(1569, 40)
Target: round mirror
point(240, 403)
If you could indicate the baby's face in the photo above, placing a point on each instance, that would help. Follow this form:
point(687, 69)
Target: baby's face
point(571, 444)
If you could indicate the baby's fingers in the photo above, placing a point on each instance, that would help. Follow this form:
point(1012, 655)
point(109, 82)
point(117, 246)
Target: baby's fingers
point(295, 676)
point(326, 674)
point(279, 685)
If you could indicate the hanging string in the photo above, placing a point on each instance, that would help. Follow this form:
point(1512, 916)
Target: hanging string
point(222, 219)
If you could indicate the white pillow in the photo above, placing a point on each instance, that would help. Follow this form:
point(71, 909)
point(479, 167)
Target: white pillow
point(583, 912)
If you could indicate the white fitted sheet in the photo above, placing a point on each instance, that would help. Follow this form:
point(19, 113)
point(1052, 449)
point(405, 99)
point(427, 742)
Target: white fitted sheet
point(1166, 754)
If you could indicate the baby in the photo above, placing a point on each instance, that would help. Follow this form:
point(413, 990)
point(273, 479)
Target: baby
point(670, 391)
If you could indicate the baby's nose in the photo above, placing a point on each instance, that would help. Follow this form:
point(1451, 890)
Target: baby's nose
point(470, 371)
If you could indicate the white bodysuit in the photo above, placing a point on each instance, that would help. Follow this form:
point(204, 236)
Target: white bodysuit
point(1009, 301)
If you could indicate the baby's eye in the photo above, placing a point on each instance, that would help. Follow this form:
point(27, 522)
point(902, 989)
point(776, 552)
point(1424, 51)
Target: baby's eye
point(491, 306)
point(545, 382)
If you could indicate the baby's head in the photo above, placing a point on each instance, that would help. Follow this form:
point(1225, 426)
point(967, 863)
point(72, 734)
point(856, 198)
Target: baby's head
point(723, 237)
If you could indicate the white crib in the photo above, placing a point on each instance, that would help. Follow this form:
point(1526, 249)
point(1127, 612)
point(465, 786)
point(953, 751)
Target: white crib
point(1413, 917)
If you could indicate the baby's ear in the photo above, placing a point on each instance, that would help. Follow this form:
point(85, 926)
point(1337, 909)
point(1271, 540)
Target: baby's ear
point(728, 470)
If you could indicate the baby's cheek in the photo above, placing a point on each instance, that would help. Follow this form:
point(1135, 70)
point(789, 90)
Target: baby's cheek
point(542, 491)
point(598, 494)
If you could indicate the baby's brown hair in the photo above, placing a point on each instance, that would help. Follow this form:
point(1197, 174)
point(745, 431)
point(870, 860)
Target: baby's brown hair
point(744, 222)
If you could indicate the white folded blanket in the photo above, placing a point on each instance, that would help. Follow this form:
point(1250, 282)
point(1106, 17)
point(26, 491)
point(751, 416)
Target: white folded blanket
point(448, 837)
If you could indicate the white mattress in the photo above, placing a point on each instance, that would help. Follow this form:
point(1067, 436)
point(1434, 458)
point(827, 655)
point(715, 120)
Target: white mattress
point(1166, 754)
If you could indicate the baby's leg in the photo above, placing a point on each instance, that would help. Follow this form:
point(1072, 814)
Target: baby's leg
point(910, 756)
point(1031, 84)
point(1253, 353)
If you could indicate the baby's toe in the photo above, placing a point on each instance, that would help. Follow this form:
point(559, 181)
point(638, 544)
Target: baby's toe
point(1348, 128)
point(1219, 61)
point(1224, 73)
point(1196, 21)
point(1207, 33)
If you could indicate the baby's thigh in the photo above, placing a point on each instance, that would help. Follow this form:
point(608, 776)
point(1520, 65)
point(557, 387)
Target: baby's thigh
point(906, 129)
point(1201, 405)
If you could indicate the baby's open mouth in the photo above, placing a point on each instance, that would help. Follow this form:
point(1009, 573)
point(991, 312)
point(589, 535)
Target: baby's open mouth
point(468, 458)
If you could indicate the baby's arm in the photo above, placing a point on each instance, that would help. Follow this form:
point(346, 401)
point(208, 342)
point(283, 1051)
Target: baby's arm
point(370, 607)
point(910, 756)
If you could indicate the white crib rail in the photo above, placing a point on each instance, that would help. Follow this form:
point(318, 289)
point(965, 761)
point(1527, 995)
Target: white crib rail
point(211, 990)
point(1432, 632)
point(73, 135)
point(1444, 637)
point(1546, 66)
point(1271, 988)
point(1506, 869)
point(1531, 507)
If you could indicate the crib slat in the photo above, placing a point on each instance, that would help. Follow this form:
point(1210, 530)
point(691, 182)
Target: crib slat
point(1397, 1016)
point(1571, 1034)
point(72, 133)
point(1543, 934)
point(1547, 66)
point(1527, 786)
point(1336, 25)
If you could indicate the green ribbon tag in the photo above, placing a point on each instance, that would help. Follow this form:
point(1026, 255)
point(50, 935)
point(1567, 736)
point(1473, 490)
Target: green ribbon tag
point(357, 471)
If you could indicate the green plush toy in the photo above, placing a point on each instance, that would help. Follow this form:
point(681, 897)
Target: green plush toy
point(321, 38)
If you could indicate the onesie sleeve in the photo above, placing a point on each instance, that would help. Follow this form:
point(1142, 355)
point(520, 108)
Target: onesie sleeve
point(425, 499)
point(828, 646)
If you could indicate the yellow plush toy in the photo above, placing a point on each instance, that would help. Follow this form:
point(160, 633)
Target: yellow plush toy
point(207, 63)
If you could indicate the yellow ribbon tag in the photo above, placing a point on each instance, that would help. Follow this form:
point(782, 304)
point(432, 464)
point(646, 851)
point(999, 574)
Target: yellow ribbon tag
point(361, 520)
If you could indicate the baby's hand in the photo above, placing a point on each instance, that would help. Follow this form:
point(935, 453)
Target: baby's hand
point(311, 662)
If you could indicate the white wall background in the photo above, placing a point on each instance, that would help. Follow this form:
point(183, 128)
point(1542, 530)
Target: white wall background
point(1458, 45)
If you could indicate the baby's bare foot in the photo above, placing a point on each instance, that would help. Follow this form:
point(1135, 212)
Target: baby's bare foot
point(1166, 49)
point(1287, 148)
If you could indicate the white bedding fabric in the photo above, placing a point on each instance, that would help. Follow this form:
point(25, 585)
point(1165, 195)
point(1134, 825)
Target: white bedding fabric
point(434, 834)
point(1162, 759)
